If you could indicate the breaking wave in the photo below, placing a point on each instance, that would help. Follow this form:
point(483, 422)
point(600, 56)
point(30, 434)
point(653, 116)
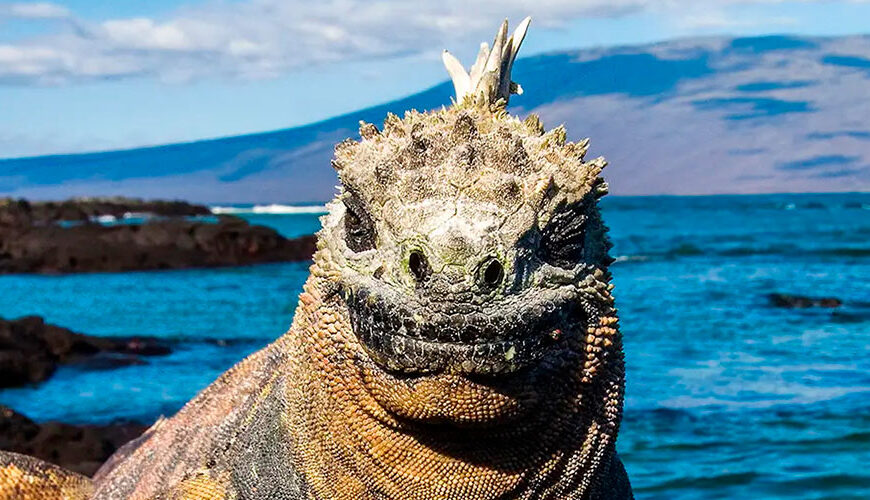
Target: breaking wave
point(269, 209)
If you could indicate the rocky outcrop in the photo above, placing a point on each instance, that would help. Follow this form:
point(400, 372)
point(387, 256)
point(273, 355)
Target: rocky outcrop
point(801, 302)
point(33, 239)
point(22, 212)
point(31, 350)
point(81, 448)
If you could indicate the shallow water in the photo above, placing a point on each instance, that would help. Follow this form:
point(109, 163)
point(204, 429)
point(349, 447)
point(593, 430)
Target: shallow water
point(728, 397)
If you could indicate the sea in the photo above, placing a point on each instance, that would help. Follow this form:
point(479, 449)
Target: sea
point(728, 396)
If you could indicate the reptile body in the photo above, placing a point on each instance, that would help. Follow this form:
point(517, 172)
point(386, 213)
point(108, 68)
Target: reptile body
point(456, 338)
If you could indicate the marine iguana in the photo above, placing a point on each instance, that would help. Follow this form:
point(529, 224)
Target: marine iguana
point(456, 339)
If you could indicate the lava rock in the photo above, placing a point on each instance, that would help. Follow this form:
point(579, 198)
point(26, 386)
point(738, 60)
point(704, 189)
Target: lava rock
point(174, 243)
point(81, 448)
point(23, 212)
point(801, 302)
point(31, 350)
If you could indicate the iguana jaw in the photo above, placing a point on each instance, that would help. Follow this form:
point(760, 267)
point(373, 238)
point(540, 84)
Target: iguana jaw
point(492, 339)
point(466, 365)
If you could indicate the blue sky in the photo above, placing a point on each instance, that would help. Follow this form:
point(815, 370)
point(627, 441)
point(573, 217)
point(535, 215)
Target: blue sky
point(86, 75)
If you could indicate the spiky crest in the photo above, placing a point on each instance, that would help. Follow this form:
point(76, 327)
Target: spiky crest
point(489, 82)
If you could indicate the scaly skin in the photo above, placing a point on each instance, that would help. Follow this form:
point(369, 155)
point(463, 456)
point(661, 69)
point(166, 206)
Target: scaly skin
point(456, 338)
point(26, 478)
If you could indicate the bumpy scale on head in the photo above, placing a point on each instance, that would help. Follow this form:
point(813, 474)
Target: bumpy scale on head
point(447, 192)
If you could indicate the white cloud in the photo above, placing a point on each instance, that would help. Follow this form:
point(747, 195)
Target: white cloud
point(33, 10)
point(719, 19)
point(141, 33)
point(256, 39)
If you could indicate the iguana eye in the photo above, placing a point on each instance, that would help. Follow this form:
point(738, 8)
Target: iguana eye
point(359, 230)
point(563, 238)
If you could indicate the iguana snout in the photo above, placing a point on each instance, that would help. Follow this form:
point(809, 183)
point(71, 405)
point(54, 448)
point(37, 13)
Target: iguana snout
point(452, 294)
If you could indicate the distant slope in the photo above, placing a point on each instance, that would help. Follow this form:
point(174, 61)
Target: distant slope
point(719, 115)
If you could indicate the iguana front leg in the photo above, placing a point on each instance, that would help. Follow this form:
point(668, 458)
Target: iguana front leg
point(200, 486)
point(27, 478)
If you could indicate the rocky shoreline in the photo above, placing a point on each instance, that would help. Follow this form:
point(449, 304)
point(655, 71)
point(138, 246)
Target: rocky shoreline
point(21, 212)
point(81, 448)
point(106, 235)
point(31, 350)
point(67, 237)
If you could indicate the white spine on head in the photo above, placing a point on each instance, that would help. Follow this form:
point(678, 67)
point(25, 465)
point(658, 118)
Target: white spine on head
point(490, 78)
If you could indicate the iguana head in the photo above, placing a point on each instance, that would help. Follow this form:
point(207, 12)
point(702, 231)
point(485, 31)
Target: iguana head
point(467, 248)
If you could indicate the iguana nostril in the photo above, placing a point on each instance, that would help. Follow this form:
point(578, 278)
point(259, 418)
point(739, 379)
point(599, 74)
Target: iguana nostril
point(493, 273)
point(419, 266)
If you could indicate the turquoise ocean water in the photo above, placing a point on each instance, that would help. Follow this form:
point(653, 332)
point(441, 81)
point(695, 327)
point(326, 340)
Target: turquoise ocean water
point(728, 397)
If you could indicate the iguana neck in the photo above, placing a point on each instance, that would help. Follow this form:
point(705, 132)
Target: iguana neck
point(351, 447)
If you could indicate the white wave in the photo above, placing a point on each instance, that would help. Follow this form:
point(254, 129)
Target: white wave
point(631, 258)
point(137, 215)
point(270, 209)
point(104, 219)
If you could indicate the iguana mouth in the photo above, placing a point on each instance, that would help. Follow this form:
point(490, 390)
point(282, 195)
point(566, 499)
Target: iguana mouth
point(405, 336)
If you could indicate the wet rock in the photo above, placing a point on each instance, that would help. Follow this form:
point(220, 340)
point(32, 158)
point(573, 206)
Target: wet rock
point(82, 448)
point(23, 212)
point(109, 361)
point(174, 243)
point(31, 350)
point(802, 302)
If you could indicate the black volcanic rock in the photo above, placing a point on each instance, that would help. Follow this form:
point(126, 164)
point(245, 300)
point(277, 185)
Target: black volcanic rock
point(22, 212)
point(31, 350)
point(801, 302)
point(81, 448)
point(32, 240)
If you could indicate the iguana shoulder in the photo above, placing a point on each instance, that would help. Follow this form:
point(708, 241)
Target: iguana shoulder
point(27, 478)
point(229, 434)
